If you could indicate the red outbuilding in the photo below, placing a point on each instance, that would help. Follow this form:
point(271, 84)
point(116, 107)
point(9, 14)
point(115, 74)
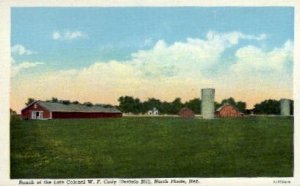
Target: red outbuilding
point(186, 113)
point(51, 110)
point(228, 110)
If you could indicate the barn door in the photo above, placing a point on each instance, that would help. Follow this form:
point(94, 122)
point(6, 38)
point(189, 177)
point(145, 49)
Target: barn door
point(33, 115)
point(40, 115)
point(37, 115)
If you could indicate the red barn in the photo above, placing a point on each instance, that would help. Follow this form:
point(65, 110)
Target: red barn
point(186, 113)
point(50, 110)
point(228, 110)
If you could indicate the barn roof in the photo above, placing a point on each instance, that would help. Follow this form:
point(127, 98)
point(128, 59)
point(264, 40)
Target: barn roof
point(59, 107)
point(225, 105)
point(185, 108)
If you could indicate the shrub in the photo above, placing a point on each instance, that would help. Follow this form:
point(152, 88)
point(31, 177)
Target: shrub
point(89, 104)
point(15, 119)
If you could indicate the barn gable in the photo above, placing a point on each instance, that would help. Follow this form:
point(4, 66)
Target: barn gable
point(228, 110)
point(36, 111)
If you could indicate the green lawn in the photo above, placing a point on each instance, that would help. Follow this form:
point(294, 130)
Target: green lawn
point(152, 147)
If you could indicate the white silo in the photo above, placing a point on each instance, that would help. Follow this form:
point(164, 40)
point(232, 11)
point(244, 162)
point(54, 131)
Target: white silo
point(285, 107)
point(208, 103)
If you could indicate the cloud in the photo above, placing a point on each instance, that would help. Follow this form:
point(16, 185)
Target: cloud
point(232, 38)
point(21, 50)
point(56, 35)
point(148, 42)
point(67, 35)
point(251, 59)
point(178, 69)
point(17, 68)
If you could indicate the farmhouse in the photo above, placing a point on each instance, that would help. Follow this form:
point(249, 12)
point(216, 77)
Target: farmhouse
point(154, 112)
point(50, 110)
point(228, 110)
point(186, 113)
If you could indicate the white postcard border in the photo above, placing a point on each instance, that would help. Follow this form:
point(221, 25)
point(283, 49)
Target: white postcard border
point(5, 76)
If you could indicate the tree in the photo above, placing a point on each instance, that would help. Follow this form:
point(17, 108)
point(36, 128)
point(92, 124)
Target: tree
point(176, 105)
point(129, 104)
point(89, 104)
point(65, 102)
point(136, 106)
point(54, 100)
point(14, 118)
point(230, 101)
point(269, 106)
point(217, 105)
point(150, 104)
point(165, 107)
point(194, 105)
point(12, 112)
point(107, 106)
point(241, 106)
point(75, 102)
point(29, 101)
point(292, 107)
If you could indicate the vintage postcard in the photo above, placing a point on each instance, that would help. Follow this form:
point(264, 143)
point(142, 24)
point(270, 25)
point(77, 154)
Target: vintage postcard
point(150, 94)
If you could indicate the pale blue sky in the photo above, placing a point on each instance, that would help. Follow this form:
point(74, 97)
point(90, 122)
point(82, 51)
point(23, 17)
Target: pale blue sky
point(114, 33)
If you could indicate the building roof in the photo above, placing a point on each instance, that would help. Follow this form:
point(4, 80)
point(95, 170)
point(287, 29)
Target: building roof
point(185, 109)
point(60, 107)
point(225, 105)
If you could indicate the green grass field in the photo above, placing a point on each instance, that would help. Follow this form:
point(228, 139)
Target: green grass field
point(152, 147)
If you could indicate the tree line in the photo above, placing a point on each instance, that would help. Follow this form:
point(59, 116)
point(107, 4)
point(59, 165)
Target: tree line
point(129, 104)
point(271, 106)
point(67, 102)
